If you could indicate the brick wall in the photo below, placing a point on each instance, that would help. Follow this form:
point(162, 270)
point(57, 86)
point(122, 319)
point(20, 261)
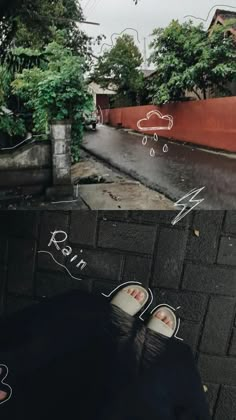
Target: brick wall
point(192, 265)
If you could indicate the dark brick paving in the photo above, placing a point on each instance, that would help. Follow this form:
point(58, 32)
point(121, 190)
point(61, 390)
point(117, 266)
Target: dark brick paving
point(192, 265)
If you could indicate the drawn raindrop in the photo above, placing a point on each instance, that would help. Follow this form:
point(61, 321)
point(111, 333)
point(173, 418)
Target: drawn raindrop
point(165, 148)
point(152, 152)
point(144, 141)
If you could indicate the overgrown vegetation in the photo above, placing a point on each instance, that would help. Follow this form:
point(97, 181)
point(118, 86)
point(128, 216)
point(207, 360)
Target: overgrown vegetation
point(34, 24)
point(188, 58)
point(10, 125)
point(55, 92)
point(44, 56)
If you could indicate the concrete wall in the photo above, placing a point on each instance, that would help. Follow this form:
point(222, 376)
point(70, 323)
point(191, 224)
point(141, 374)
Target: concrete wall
point(210, 123)
point(34, 155)
point(27, 165)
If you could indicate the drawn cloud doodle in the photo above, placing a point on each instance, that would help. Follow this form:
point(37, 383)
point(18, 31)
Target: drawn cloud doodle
point(212, 8)
point(118, 34)
point(157, 121)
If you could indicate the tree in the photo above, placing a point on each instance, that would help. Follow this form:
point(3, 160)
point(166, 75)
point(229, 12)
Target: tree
point(120, 67)
point(34, 23)
point(189, 58)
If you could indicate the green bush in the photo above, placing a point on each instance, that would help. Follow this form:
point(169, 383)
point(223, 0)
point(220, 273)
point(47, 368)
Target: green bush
point(56, 92)
point(9, 124)
point(5, 85)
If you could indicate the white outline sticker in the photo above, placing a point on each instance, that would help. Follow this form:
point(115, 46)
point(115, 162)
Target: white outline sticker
point(178, 319)
point(161, 116)
point(101, 119)
point(19, 144)
point(118, 34)
point(134, 283)
point(61, 265)
point(145, 310)
point(184, 213)
point(4, 383)
point(205, 20)
point(165, 148)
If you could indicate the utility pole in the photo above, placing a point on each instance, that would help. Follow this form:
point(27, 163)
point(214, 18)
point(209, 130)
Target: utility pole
point(145, 53)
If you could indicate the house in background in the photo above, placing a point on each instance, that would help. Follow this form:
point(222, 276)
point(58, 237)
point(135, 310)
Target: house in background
point(101, 96)
point(220, 18)
point(148, 73)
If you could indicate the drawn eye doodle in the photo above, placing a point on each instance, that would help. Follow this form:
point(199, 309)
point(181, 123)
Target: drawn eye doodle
point(5, 389)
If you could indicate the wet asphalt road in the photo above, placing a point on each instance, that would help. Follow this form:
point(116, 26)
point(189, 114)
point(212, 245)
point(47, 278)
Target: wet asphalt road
point(174, 173)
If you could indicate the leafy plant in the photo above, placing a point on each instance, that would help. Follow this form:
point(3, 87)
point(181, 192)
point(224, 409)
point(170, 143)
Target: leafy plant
point(120, 67)
point(5, 85)
point(57, 92)
point(12, 125)
point(9, 124)
point(187, 58)
point(17, 59)
point(34, 24)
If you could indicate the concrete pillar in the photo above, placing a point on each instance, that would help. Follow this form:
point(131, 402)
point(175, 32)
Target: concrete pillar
point(60, 132)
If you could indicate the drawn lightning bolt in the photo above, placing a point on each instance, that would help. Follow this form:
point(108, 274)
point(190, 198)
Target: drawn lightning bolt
point(193, 193)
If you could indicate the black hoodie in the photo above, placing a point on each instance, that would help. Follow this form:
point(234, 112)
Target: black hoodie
point(78, 356)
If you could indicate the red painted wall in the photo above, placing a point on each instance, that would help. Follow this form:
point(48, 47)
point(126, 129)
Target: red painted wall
point(210, 122)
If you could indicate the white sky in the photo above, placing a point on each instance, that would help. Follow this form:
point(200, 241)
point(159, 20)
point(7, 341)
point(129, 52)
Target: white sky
point(116, 15)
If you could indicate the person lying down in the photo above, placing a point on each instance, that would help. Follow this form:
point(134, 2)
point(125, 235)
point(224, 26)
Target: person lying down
point(85, 357)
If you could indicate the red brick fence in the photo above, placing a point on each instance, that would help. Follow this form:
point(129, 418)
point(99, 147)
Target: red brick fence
point(210, 122)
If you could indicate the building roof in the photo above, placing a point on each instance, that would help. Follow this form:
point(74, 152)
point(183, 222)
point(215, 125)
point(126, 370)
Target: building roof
point(98, 90)
point(148, 73)
point(221, 16)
